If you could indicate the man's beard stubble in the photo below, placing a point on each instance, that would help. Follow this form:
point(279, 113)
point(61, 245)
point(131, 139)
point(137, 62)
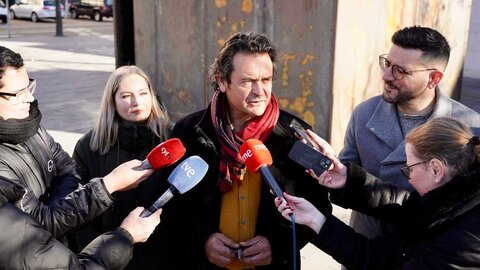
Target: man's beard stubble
point(401, 97)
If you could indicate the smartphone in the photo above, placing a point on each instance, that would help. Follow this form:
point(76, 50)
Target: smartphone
point(309, 158)
point(301, 132)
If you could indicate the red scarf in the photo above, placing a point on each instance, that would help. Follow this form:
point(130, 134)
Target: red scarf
point(230, 141)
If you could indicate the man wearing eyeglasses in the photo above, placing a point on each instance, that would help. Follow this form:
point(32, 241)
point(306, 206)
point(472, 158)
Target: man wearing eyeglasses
point(412, 71)
point(39, 178)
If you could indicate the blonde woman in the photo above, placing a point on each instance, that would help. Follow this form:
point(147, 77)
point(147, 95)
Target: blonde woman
point(437, 225)
point(132, 121)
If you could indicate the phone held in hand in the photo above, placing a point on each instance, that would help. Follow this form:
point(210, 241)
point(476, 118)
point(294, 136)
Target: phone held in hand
point(301, 132)
point(309, 158)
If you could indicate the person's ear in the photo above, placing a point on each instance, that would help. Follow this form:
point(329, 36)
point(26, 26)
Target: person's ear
point(435, 78)
point(222, 85)
point(438, 170)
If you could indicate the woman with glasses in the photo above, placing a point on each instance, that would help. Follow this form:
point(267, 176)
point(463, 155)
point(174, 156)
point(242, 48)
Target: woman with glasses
point(131, 122)
point(437, 226)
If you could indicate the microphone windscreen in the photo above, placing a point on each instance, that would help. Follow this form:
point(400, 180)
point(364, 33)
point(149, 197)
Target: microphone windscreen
point(255, 154)
point(188, 173)
point(166, 153)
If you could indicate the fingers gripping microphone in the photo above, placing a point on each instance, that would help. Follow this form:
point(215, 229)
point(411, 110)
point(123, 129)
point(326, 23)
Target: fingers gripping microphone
point(256, 157)
point(164, 154)
point(183, 178)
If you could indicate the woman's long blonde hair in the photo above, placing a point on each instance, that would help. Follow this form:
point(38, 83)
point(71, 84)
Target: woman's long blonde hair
point(105, 132)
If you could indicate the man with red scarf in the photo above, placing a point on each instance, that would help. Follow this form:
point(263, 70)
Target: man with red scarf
point(230, 212)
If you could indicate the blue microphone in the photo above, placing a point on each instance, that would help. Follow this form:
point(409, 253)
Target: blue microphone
point(183, 178)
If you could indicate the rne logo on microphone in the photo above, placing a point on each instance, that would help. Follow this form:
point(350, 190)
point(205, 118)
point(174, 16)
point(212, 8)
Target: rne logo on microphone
point(260, 147)
point(165, 153)
point(189, 171)
point(246, 155)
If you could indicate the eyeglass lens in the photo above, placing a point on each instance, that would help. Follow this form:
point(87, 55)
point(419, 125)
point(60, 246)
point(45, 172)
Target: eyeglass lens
point(22, 94)
point(385, 64)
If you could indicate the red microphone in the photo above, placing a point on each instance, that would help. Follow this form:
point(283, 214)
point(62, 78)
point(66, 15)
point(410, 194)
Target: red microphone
point(164, 154)
point(256, 157)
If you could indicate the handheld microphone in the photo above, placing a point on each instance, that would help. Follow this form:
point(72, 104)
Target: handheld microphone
point(256, 157)
point(183, 178)
point(164, 154)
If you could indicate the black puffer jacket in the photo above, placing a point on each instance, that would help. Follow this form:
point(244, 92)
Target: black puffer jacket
point(437, 231)
point(25, 244)
point(195, 215)
point(50, 189)
point(133, 142)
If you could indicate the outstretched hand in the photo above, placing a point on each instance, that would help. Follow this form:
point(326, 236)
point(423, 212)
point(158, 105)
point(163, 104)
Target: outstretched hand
point(304, 212)
point(320, 144)
point(141, 228)
point(126, 176)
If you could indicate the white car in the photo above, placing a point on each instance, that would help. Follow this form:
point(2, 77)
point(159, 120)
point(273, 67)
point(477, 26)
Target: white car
point(35, 10)
point(3, 12)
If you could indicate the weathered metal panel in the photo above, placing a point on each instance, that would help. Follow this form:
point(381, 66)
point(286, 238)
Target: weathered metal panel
point(304, 33)
point(328, 61)
point(171, 48)
point(176, 41)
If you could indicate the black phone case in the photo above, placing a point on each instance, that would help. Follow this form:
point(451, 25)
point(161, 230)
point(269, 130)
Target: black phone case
point(309, 158)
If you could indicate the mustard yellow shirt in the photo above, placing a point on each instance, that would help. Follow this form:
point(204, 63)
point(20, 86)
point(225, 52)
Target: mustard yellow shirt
point(239, 210)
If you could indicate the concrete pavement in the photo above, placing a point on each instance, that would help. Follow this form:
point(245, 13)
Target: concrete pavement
point(73, 70)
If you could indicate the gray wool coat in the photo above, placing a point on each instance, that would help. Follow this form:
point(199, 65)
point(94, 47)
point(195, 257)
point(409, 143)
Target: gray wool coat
point(374, 139)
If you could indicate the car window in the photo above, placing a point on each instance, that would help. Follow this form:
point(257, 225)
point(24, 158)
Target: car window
point(49, 3)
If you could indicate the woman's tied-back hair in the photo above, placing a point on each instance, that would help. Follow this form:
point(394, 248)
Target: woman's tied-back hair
point(247, 43)
point(105, 132)
point(448, 140)
point(9, 59)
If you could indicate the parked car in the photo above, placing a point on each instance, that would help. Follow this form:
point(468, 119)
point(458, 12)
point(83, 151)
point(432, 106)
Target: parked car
point(95, 9)
point(35, 10)
point(3, 12)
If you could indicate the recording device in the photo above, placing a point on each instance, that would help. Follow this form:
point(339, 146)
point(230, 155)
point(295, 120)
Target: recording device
point(256, 157)
point(309, 158)
point(183, 178)
point(164, 154)
point(238, 253)
point(301, 132)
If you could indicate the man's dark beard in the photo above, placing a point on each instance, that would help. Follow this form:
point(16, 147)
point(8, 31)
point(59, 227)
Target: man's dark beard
point(400, 98)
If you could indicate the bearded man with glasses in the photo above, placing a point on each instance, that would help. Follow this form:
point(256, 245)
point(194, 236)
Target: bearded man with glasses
point(412, 71)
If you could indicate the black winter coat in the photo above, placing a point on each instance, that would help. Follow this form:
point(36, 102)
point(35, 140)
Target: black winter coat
point(50, 190)
point(437, 231)
point(192, 217)
point(134, 142)
point(25, 244)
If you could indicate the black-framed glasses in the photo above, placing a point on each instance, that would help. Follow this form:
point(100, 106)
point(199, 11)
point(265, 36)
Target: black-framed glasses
point(397, 71)
point(22, 93)
point(406, 170)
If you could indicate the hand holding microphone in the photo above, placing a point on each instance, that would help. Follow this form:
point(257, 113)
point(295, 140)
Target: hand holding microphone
point(183, 178)
point(164, 154)
point(129, 175)
point(305, 212)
